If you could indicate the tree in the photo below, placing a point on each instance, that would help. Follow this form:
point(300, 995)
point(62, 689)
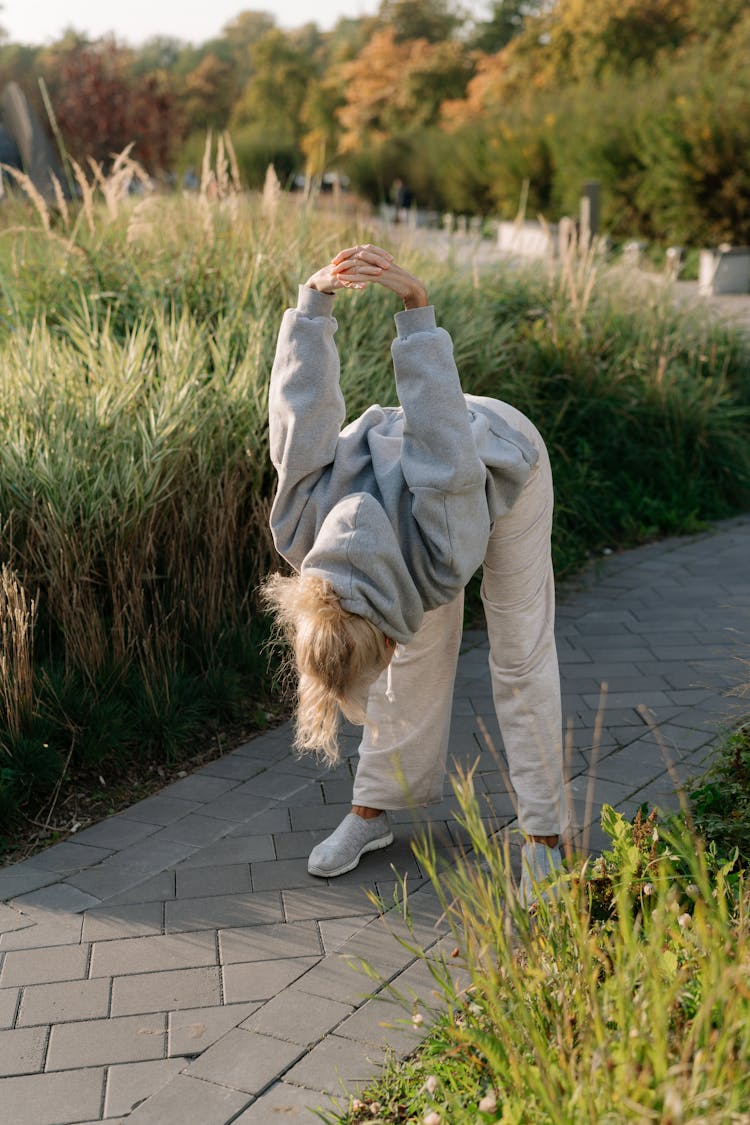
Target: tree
point(208, 93)
point(394, 86)
point(433, 20)
point(275, 93)
point(505, 22)
point(101, 108)
point(240, 36)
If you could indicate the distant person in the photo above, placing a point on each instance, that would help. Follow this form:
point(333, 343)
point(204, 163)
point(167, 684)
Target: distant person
point(401, 198)
point(385, 521)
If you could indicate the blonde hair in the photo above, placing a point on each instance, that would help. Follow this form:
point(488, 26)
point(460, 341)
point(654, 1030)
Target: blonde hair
point(337, 655)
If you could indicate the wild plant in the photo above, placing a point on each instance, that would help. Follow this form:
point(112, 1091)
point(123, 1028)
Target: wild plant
point(17, 623)
point(621, 997)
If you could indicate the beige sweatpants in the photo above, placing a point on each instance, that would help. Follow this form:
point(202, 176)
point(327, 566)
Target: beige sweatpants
point(402, 756)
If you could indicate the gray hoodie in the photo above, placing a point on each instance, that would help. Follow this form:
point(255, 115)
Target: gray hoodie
point(394, 510)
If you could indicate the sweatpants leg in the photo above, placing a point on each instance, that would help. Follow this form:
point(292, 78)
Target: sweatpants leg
point(518, 594)
point(405, 742)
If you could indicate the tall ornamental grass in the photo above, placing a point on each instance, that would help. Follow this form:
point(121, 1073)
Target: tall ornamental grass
point(137, 336)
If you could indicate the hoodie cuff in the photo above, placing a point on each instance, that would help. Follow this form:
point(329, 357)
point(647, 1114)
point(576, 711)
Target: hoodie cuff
point(311, 302)
point(415, 320)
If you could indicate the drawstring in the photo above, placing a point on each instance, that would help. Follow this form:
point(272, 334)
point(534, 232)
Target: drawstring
point(390, 695)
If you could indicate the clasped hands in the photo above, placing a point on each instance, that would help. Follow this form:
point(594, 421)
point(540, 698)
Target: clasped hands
point(359, 266)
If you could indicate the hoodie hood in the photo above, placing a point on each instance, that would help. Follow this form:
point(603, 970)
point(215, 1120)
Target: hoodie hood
point(357, 551)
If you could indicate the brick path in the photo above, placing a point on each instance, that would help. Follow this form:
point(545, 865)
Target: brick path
point(176, 964)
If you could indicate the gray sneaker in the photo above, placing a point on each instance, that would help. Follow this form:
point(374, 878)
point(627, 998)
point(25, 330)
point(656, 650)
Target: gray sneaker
point(343, 849)
point(538, 863)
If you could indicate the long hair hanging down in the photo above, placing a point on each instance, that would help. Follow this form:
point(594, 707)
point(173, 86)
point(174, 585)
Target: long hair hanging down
point(337, 656)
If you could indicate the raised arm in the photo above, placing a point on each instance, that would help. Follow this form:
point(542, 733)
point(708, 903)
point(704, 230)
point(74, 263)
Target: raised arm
point(306, 407)
point(305, 404)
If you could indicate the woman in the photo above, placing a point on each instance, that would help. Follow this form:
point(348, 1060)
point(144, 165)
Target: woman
point(384, 522)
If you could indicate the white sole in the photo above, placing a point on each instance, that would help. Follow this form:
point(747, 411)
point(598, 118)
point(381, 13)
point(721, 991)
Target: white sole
point(372, 846)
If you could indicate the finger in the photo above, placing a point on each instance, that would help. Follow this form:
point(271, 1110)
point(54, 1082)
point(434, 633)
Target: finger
point(377, 250)
point(369, 257)
point(347, 253)
point(361, 248)
point(362, 270)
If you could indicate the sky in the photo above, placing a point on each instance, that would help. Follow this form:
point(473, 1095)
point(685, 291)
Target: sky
point(41, 21)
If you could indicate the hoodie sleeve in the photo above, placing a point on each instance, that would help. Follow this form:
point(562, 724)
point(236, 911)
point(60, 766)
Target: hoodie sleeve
point(441, 465)
point(305, 414)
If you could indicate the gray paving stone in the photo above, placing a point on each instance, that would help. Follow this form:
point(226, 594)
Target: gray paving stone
point(261, 943)
point(223, 911)
point(116, 832)
point(202, 882)
point(59, 896)
point(101, 1042)
point(166, 991)
point(11, 919)
point(273, 785)
point(186, 1099)
point(8, 1006)
point(384, 1024)
point(108, 923)
point(38, 966)
point(335, 1065)
point(335, 932)
point(323, 816)
point(112, 881)
point(260, 980)
point(48, 929)
point(297, 1017)
point(200, 786)
point(71, 855)
point(162, 810)
point(131, 1083)
point(131, 866)
point(237, 849)
point(294, 845)
point(600, 790)
point(311, 795)
point(66, 1000)
point(191, 1030)
point(153, 954)
point(22, 1051)
point(324, 902)
point(152, 855)
point(244, 1060)
point(618, 767)
point(195, 829)
point(232, 767)
point(269, 820)
point(14, 881)
point(628, 699)
point(280, 874)
point(377, 948)
point(156, 887)
point(52, 1099)
point(284, 1102)
point(234, 806)
point(335, 977)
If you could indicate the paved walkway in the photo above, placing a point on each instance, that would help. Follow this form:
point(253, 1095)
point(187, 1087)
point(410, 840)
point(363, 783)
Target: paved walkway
point(176, 964)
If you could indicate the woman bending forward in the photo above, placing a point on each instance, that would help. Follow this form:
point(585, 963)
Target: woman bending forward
point(384, 522)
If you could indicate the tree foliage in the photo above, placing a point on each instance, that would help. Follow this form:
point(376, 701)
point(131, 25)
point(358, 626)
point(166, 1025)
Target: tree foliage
point(651, 97)
point(101, 108)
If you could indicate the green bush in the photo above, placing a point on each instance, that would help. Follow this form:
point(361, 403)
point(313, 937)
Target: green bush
point(721, 799)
